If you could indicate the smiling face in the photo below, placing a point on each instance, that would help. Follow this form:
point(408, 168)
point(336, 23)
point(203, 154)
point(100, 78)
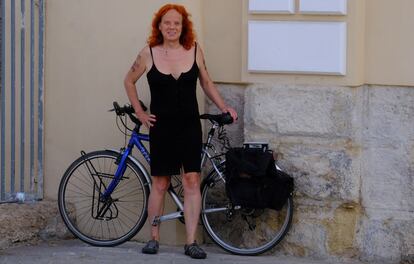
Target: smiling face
point(171, 25)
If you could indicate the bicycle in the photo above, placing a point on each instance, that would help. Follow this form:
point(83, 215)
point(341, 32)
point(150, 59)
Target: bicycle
point(103, 196)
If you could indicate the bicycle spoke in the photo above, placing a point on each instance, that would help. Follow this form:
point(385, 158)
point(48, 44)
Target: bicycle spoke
point(82, 179)
point(98, 222)
point(132, 220)
point(245, 231)
point(82, 191)
point(128, 194)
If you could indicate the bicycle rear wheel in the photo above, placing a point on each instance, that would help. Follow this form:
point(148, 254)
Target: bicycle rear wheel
point(243, 231)
point(89, 218)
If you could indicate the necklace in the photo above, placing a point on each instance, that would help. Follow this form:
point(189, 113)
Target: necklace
point(172, 50)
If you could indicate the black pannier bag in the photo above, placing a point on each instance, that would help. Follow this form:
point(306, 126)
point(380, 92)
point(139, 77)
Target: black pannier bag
point(253, 181)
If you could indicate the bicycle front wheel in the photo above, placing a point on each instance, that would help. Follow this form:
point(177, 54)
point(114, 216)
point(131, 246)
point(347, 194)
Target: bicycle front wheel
point(243, 231)
point(98, 222)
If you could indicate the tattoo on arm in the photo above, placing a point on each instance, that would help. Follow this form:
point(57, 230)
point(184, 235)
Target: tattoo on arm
point(205, 65)
point(135, 66)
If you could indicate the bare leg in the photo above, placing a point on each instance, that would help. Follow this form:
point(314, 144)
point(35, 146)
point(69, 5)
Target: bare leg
point(160, 186)
point(192, 203)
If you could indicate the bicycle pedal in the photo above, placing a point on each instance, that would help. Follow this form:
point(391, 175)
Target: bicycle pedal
point(156, 221)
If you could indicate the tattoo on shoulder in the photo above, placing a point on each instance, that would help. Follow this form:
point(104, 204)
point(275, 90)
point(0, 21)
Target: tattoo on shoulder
point(205, 65)
point(135, 66)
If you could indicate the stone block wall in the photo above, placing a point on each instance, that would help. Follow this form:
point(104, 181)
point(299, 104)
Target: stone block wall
point(351, 152)
point(233, 95)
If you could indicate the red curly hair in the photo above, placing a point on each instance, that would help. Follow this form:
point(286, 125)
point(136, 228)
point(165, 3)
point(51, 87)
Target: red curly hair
point(187, 37)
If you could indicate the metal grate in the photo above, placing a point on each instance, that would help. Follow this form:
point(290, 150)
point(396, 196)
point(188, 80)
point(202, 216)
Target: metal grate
point(21, 99)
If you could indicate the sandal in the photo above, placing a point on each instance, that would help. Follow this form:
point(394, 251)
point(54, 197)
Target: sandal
point(151, 247)
point(194, 251)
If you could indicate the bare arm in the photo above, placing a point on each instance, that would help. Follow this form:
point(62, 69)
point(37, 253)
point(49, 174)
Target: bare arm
point(135, 72)
point(209, 88)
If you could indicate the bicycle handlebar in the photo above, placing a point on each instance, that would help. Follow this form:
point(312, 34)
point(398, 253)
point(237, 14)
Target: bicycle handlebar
point(126, 109)
point(221, 119)
point(129, 110)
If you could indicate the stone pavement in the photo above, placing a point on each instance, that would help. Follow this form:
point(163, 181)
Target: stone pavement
point(75, 251)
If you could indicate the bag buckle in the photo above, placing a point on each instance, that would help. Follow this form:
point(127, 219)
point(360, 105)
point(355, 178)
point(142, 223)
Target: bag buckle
point(264, 146)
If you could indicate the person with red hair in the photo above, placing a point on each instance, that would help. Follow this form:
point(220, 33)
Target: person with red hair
point(173, 62)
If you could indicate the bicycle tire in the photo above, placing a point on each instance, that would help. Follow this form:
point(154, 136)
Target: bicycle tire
point(78, 199)
point(232, 229)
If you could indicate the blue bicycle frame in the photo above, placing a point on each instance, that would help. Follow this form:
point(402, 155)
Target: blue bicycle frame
point(135, 140)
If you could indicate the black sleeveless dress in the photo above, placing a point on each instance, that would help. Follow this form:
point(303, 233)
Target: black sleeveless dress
point(175, 138)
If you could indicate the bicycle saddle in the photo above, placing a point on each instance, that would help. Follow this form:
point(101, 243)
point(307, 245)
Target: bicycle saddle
point(221, 119)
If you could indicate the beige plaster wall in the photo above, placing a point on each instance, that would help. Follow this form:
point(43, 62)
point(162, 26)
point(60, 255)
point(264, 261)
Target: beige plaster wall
point(223, 39)
point(225, 28)
point(90, 45)
point(390, 42)
point(355, 47)
point(379, 43)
